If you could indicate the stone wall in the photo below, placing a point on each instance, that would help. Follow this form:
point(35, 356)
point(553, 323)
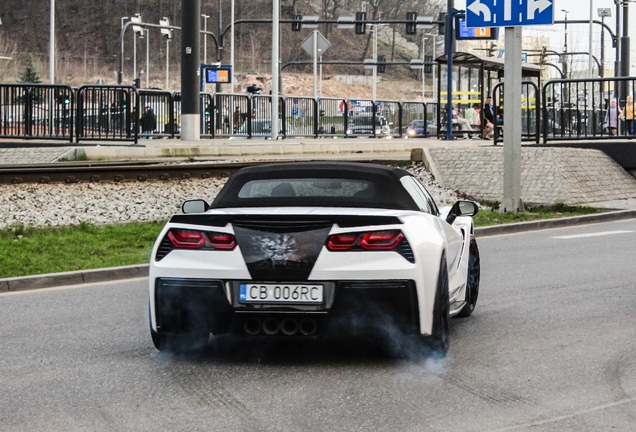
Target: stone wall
point(548, 175)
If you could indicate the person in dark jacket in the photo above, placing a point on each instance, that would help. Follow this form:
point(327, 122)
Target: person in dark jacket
point(148, 123)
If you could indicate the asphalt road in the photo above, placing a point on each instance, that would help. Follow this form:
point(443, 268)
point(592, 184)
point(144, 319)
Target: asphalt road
point(551, 346)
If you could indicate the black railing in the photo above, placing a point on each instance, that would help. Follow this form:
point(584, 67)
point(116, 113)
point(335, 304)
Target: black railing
point(29, 111)
point(576, 109)
point(565, 110)
point(530, 111)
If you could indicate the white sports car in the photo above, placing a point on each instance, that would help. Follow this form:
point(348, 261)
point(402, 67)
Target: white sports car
point(310, 250)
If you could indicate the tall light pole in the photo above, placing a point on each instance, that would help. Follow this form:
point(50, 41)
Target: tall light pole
point(423, 66)
point(603, 12)
point(589, 57)
point(564, 59)
point(52, 45)
point(136, 31)
point(275, 67)
point(232, 44)
point(205, 38)
point(123, 19)
point(375, 59)
point(147, 57)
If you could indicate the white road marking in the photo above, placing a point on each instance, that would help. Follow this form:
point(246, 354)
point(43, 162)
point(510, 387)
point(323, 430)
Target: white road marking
point(567, 237)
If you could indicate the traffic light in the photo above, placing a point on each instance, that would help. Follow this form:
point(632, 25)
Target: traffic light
point(207, 109)
point(428, 67)
point(297, 24)
point(361, 27)
point(381, 64)
point(441, 28)
point(542, 58)
point(63, 99)
point(491, 49)
point(411, 25)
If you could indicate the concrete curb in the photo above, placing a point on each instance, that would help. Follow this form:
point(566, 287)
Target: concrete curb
point(554, 223)
point(72, 278)
point(134, 271)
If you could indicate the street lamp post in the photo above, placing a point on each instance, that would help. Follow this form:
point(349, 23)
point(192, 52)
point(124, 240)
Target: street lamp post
point(147, 58)
point(123, 19)
point(423, 66)
point(167, 63)
point(564, 60)
point(205, 38)
point(603, 12)
point(52, 45)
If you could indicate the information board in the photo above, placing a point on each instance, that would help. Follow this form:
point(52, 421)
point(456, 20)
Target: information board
point(462, 32)
point(221, 75)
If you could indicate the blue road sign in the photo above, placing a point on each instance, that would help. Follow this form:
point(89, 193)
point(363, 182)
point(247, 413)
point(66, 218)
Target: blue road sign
point(295, 111)
point(509, 13)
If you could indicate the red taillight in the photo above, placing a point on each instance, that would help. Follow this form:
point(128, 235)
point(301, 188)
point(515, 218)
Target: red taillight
point(186, 239)
point(342, 242)
point(222, 241)
point(381, 240)
point(375, 240)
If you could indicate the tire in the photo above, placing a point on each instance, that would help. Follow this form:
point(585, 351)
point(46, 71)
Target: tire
point(472, 280)
point(439, 340)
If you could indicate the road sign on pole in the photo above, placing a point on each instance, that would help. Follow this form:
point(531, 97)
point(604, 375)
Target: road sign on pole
point(509, 13)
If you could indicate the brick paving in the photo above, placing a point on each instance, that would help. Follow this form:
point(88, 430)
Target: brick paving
point(31, 155)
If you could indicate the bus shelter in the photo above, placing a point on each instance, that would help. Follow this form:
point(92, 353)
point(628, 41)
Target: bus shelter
point(474, 78)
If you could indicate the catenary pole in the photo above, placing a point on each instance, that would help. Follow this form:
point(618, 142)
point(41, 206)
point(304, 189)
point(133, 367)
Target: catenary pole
point(52, 45)
point(275, 66)
point(190, 52)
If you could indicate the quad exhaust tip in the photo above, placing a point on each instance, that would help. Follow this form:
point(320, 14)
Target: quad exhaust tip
point(272, 326)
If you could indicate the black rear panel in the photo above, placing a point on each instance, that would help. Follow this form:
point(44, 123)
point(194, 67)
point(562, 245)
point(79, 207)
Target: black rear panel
point(281, 250)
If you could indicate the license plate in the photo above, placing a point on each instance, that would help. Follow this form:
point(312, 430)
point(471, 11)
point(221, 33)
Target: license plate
point(280, 293)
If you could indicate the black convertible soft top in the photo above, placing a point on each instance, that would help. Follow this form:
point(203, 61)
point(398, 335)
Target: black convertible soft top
point(322, 184)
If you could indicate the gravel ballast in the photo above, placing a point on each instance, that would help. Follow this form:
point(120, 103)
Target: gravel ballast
point(42, 205)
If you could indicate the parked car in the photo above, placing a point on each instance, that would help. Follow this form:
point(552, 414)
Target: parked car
point(314, 250)
point(416, 129)
point(363, 125)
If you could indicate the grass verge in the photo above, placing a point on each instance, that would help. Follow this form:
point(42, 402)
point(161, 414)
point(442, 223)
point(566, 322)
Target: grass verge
point(491, 216)
point(29, 251)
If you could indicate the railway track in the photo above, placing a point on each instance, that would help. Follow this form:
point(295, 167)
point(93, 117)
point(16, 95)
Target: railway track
point(94, 172)
point(137, 171)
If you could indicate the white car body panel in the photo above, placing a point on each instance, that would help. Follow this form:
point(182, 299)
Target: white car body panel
point(428, 236)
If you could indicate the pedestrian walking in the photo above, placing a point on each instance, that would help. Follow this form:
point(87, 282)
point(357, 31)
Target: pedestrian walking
point(148, 123)
point(612, 116)
point(627, 115)
point(237, 119)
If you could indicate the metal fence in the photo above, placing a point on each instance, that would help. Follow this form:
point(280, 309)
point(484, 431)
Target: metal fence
point(41, 111)
point(588, 109)
point(107, 113)
point(563, 110)
point(530, 111)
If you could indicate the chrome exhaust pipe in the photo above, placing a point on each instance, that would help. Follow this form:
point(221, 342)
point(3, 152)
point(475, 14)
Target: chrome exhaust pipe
point(289, 326)
point(252, 326)
point(308, 326)
point(271, 326)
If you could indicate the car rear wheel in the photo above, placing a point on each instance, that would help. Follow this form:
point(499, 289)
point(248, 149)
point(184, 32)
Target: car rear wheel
point(439, 340)
point(472, 281)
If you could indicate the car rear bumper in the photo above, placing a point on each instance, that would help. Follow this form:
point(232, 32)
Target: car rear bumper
point(350, 308)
